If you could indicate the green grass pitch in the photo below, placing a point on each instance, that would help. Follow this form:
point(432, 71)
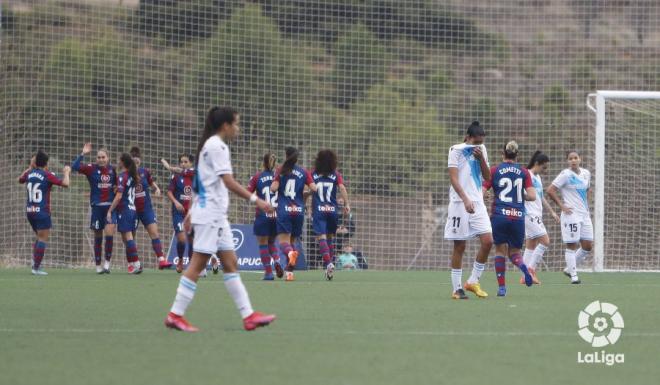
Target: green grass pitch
point(74, 327)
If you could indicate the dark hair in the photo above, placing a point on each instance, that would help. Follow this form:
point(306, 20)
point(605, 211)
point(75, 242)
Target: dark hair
point(215, 118)
point(572, 151)
point(538, 158)
point(135, 152)
point(325, 162)
point(130, 166)
point(269, 161)
point(189, 156)
point(475, 129)
point(290, 161)
point(41, 159)
point(511, 150)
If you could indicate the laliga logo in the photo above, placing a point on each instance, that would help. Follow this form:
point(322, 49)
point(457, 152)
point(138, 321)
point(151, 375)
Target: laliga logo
point(238, 238)
point(595, 319)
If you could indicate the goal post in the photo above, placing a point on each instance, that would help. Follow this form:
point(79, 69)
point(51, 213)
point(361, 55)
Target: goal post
point(623, 113)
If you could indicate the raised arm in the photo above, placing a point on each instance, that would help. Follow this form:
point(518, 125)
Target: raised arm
point(23, 177)
point(235, 187)
point(77, 165)
point(66, 180)
point(170, 168)
point(483, 164)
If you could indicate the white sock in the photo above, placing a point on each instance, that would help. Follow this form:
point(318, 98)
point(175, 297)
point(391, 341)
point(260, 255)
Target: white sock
point(184, 295)
point(456, 278)
point(580, 255)
point(570, 262)
point(527, 257)
point(106, 265)
point(477, 269)
point(238, 293)
point(537, 255)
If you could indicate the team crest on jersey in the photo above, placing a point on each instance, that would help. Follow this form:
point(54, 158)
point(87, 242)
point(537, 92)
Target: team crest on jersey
point(105, 178)
point(187, 190)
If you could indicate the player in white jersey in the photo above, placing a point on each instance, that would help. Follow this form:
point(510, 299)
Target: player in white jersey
point(537, 239)
point(208, 219)
point(467, 216)
point(577, 231)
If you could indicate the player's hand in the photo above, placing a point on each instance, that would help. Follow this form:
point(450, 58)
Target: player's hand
point(469, 206)
point(187, 224)
point(165, 163)
point(567, 210)
point(157, 192)
point(87, 148)
point(33, 162)
point(67, 169)
point(264, 206)
point(108, 218)
point(347, 209)
point(478, 154)
point(556, 218)
point(179, 207)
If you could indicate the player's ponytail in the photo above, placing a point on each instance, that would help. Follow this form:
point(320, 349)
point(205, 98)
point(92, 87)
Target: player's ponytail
point(290, 161)
point(215, 118)
point(129, 165)
point(269, 161)
point(511, 150)
point(538, 158)
point(325, 162)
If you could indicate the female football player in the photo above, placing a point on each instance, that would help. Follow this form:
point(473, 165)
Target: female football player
point(577, 231)
point(324, 205)
point(124, 203)
point(39, 182)
point(208, 219)
point(289, 181)
point(537, 239)
point(102, 180)
point(265, 224)
point(180, 194)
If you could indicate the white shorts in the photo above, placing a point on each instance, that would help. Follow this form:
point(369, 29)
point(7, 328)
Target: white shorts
point(576, 227)
point(462, 226)
point(534, 227)
point(212, 237)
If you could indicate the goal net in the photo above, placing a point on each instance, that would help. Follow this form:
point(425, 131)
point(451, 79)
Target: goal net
point(390, 85)
point(627, 224)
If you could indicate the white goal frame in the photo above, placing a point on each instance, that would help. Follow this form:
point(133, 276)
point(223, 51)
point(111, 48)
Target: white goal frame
point(600, 98)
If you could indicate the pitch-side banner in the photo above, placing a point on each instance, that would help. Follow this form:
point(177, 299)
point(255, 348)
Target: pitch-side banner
point(247, 250)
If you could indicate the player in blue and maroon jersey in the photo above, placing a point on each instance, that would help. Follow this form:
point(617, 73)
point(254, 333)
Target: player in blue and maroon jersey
point(289, 182)
point(102, 180)
point(265, 224)
point(144, 209)
point(124, 205)
point(180, 194)
point(324, 205)
point(512, 186)
point(39, 182)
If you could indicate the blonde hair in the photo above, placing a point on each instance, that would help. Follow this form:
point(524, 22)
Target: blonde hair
point(511, 150)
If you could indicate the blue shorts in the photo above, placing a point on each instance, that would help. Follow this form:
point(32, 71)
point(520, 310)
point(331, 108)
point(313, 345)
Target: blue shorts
point(290, 224)
point(177, 221)
point(127, 221)
point(39, 223)
point(97, 219)
point(147, 217)
point(325, 223)
point(509, 231)
point(264, 226)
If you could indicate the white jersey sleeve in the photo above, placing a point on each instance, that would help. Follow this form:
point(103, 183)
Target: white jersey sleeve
point(211, 201)
point(573, 188)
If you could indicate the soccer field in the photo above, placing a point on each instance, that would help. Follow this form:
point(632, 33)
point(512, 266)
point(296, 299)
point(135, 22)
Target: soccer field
point(74, 327)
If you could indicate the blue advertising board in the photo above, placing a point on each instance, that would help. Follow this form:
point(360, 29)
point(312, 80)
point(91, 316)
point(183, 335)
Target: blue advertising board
point(247, 250)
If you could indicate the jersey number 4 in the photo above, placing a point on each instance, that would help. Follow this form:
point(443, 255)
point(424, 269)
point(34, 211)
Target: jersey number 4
point(507, 184)
point(290, 189)
point(35, 195)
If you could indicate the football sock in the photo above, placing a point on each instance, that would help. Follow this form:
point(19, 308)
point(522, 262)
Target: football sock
point(580, 255)
point(238, 293)
point(527, 256)
point(38, 254)
point(286, 248)
point(131, 251)
point(537, 256)
point(500, 270)
point(456, 278)
point(108, 247)
point(570, 261)
point(274, 253)
point(477, 269)
point(325, 252)
point(265, 258)
point(158, 247)
point(517, 260)
point(180, 249)
point(190, 248)
point(331, 246)
point(184, 295)
point(98, 244)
